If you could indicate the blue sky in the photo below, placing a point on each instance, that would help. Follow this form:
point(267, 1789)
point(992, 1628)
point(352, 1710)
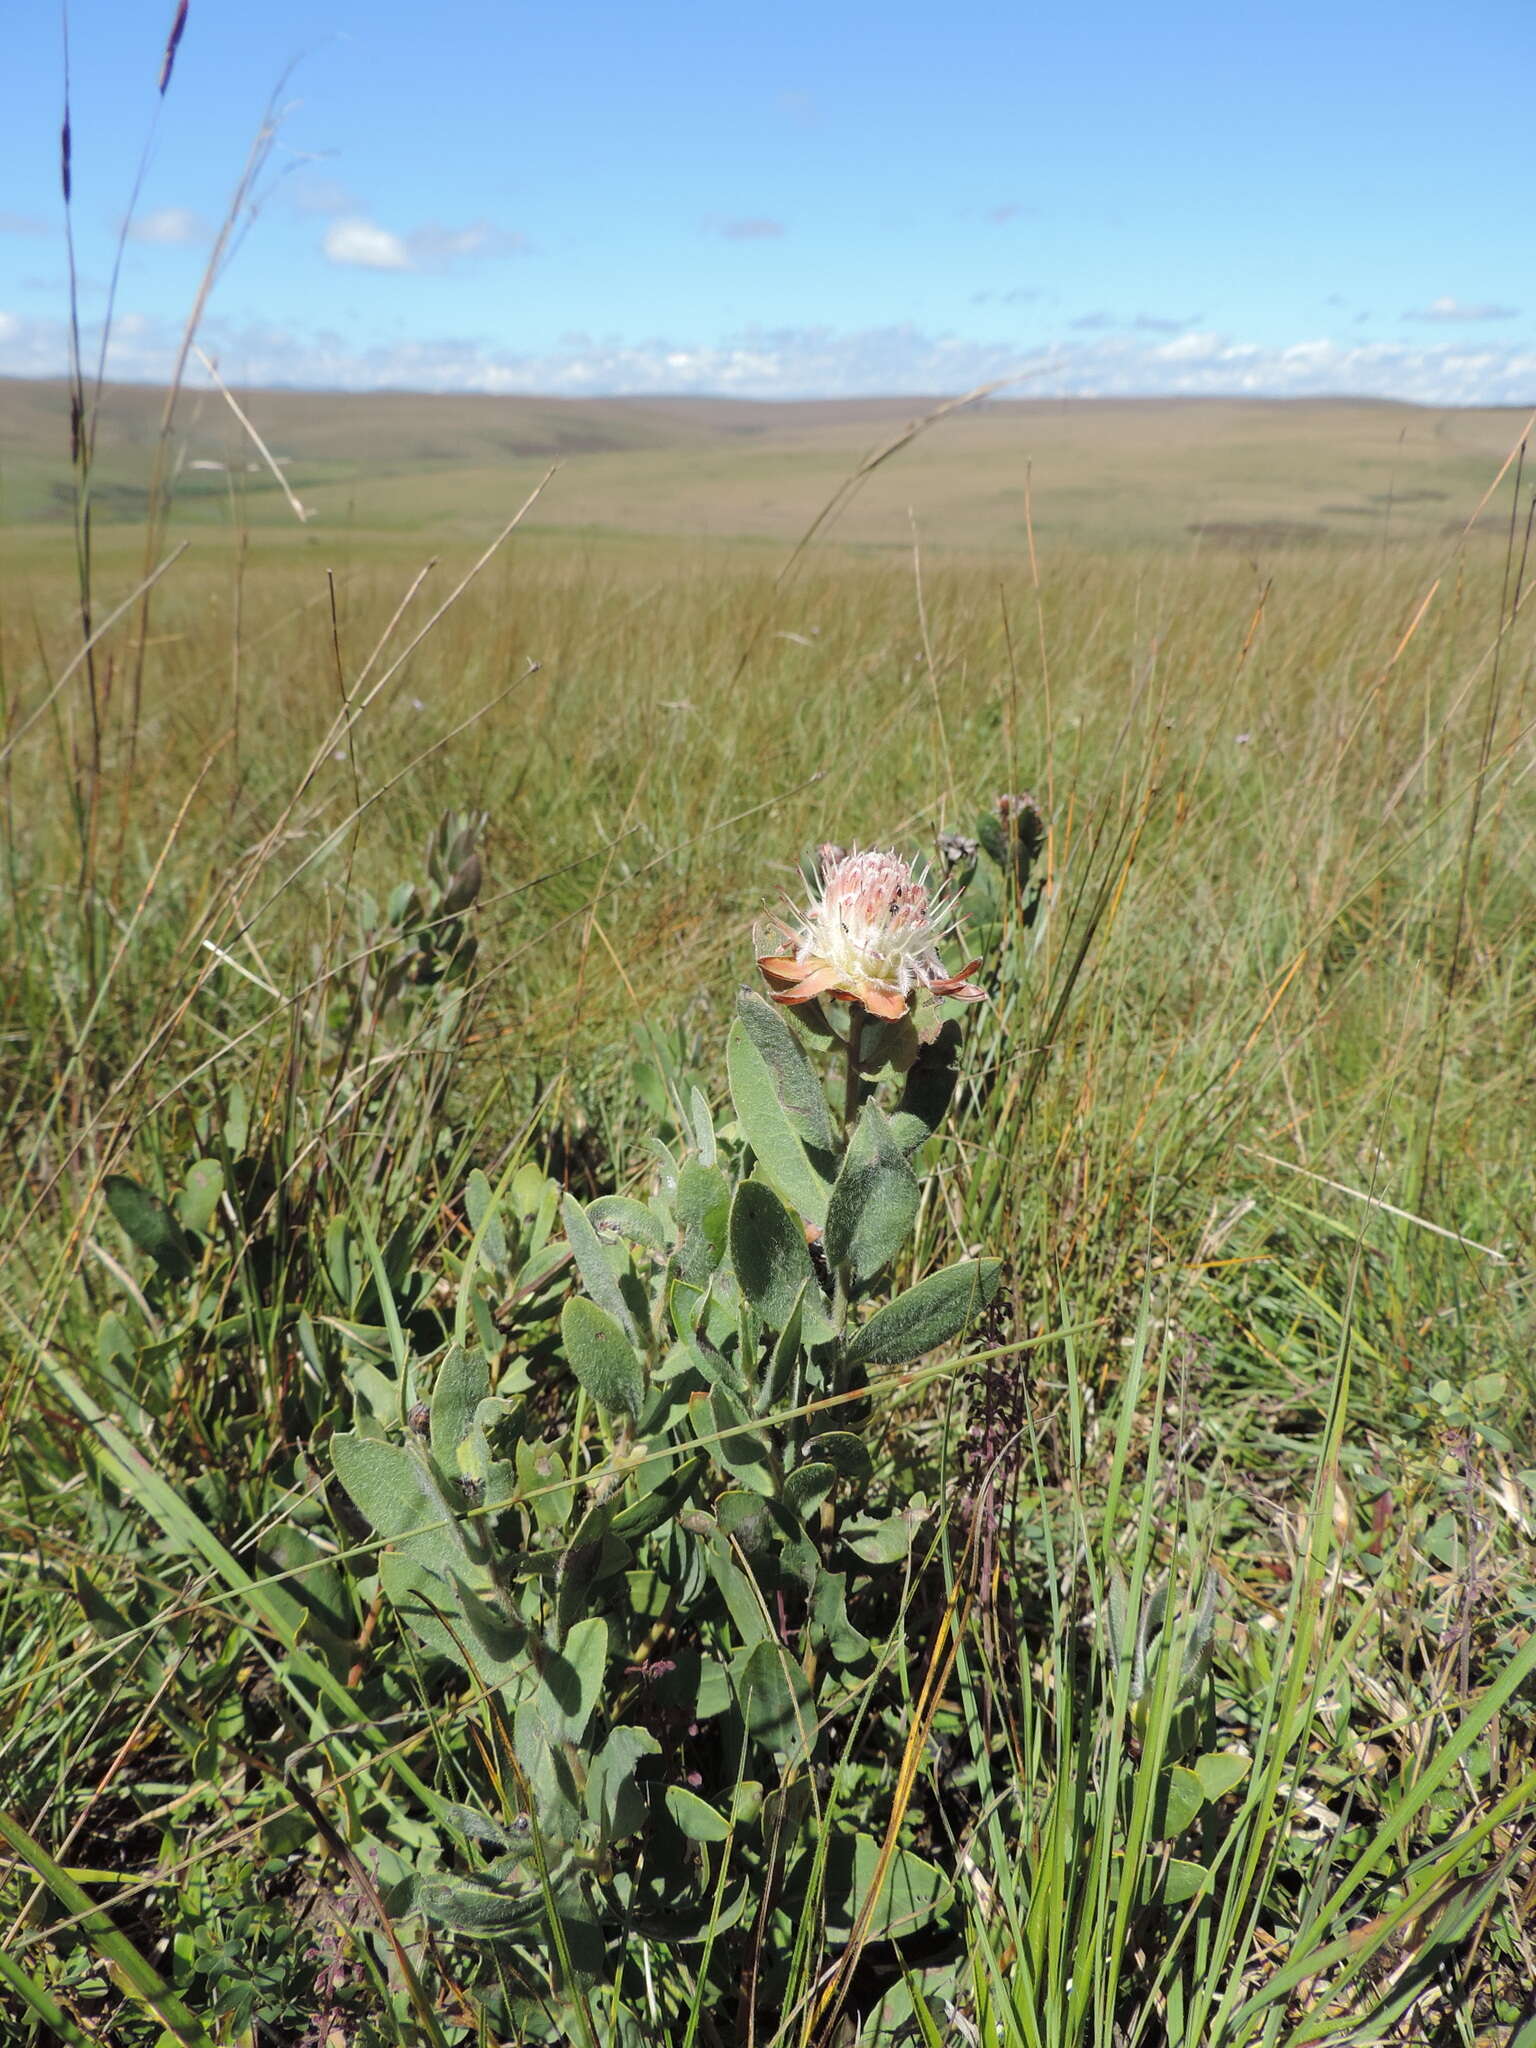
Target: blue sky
point(804, 200)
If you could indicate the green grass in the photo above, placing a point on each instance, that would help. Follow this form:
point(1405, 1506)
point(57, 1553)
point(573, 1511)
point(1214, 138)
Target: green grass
point(1247, 1119)
point(1248, 474)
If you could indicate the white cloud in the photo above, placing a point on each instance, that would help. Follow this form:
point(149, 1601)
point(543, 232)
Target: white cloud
point(815, 362)
point(1452, 311)
point(364, 245)
point(361, 244)
point(170, 226)
point(22, 224)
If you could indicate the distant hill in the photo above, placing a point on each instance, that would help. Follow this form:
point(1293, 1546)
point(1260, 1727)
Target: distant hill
point(1230, 472)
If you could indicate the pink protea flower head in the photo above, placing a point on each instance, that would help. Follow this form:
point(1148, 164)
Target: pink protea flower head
point(870, 935)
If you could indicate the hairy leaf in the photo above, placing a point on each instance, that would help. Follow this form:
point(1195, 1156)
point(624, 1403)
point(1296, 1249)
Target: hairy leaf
point(800, 1175)
point(772, 1261)
point(926, 1316)
point(600, 1354)
point(795, 1080)
point(874, 1203)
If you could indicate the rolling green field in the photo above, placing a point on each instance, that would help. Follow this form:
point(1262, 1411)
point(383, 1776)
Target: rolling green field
point(1103, 473)
point(473, 1576)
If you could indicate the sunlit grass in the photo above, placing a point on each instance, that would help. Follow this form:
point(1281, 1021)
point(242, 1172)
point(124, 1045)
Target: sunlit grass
point(1247, 1118)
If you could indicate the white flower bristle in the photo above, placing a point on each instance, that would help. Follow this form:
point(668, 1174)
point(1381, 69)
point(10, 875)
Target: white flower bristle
point(874, 919)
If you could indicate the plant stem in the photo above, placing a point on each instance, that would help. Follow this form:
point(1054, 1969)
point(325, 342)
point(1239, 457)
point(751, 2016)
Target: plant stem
point(851, 1084)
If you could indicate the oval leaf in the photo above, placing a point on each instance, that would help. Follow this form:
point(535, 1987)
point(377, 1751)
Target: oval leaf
point(926, 1316)
point(843, 1450)
point(619, 1216)
point(484, 1215)
point(463, 1382)
point(780, 1151)
point(597, 1275)
point(773, 1261)
point(808, 1486)
point(1220, 1772)
point(199, 1197)
point(695, 1816)
point(602, 1357)
point(149, 1225)
point(874, 1203)
point(571, 1678)
point(775, 1700)
point(795, 1080)
point(399, 1494)
point(886, 1901)
point(1176, 1800)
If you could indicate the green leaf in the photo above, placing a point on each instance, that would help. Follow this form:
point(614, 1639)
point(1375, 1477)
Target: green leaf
point(1183, 1881)
point(478, 1911)
point(571, 1680)
point(463, 1382)
point(787, 1353)
point(199, 1197)
point(597, 1275)
point(928, 1090)
point(614, 1799)
point(619, 1216)
point(539, 1269)
point(831, 1630)
point(665, 1163)
point(910, 1890)
point(393, 1486)
point(720, 1422)
point(775, 1700)
point(808, 1486)
point(695, 1816)
point(874, 1202)
point(453, 1624)
point(703, 1212)
point(797, 1173)
point(738, 1589)
point(553, 1789)
point(149, 1225)
point(926, 1316)
point(483, 1211)
point(667, 1497)
point(772, 1261)
point(1220, 1772)
point(591, 1554)
point(842, 1449)
point(879, 1542)
point(773, 1539)
point(601, 1356)
point(1176, 1802)
point(703, 1126)
point(540, 1476)
point(795, 1080)
point(703, 1200)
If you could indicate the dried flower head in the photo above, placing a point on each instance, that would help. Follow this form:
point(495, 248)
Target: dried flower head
point(870, 935)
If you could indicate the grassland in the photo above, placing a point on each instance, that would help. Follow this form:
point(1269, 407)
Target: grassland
point(382, 467)
point(1247, 1118)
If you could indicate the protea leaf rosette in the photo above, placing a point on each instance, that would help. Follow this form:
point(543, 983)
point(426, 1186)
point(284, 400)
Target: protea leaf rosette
point(871, 936)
